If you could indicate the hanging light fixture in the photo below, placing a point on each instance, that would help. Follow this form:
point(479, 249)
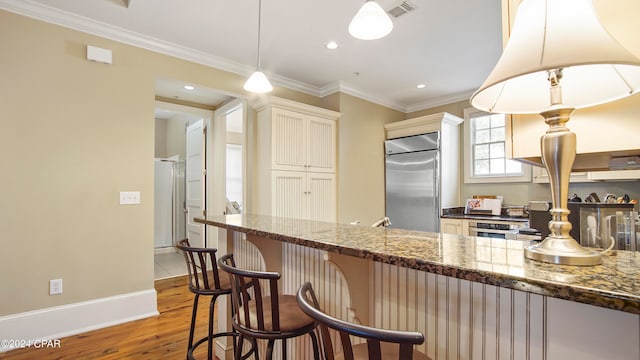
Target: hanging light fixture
point(559, 58)
point(371, 22)
point(258, 82)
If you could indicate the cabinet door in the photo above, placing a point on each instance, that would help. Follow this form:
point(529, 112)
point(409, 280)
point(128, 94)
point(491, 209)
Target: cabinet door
point(288, 140)
point(451, 226)
point(321, 151)
point(541, 176)
point(321, 197)
point(288, 194)
point(614, 175)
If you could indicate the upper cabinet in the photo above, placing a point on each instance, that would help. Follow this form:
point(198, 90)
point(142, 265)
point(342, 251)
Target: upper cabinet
point(296, 160)
point(302, 142)
point(604, 131)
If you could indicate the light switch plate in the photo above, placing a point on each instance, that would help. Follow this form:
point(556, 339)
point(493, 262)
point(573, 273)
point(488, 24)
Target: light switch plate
point(55, 287)
point(129, 197)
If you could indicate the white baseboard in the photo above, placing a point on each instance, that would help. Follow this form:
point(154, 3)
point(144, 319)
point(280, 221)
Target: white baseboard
point(71, 319)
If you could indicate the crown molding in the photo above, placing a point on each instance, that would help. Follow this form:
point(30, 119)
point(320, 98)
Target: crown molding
point(445, 100)
point(345, 88)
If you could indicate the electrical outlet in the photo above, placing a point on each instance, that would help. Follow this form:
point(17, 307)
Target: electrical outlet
point(129, 197)
point(55, 287)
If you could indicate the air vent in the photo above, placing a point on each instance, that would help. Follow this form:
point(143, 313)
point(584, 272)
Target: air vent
point(401, 9)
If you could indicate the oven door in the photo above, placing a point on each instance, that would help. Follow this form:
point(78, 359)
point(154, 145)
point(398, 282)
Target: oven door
point(493, 233)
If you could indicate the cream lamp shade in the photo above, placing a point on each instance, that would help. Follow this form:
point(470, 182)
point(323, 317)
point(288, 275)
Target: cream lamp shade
point(558, 34)
point(258, 83)
point(370, 22)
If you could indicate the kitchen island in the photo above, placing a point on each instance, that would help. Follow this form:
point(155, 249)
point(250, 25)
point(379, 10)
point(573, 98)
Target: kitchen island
point(472, 297)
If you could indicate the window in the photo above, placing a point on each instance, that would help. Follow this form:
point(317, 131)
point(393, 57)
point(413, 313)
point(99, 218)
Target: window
point(235, 139)
point(485, 155)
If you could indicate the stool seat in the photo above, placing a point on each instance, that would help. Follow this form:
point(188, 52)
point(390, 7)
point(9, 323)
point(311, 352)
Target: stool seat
point(290, 315)
point(225, 285)
point(260, 312)
point(387, 351)
point(380, 343)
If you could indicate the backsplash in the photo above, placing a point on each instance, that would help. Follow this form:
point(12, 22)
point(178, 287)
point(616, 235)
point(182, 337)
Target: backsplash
point(521, 193)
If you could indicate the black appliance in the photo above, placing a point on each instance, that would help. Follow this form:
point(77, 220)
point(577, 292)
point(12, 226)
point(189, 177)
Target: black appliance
point(539, 219)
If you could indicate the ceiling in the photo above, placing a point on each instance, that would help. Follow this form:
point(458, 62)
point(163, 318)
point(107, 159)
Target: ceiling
point(448, 45)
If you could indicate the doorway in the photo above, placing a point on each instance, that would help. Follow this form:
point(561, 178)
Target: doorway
point(178, 187)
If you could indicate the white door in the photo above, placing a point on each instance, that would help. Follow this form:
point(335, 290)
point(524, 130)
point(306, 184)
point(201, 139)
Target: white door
point(321, 197)
point(195, 179)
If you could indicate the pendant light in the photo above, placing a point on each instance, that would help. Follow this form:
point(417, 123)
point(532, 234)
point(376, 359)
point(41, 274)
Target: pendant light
point(371, 22)
point(258, 82)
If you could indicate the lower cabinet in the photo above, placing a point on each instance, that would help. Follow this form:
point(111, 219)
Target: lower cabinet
point(454, 226)
point(304, 195)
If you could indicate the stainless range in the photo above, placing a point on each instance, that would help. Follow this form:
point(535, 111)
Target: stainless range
point(501, 230)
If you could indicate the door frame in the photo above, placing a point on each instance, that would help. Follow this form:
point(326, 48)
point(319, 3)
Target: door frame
point(207, 116)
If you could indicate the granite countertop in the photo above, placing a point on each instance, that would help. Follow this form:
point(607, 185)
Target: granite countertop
point(615, 284)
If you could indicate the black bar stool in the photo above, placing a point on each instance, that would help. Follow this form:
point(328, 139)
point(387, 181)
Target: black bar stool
point(381, 343)
point(274, 317)
point(204, 279)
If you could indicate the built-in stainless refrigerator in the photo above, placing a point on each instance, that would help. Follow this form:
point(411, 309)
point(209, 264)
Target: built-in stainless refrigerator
point(412, 182)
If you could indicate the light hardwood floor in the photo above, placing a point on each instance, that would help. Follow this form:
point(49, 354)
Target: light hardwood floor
point(160, 337)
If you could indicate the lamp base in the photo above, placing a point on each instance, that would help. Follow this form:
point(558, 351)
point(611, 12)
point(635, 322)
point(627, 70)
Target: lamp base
point(564, 251)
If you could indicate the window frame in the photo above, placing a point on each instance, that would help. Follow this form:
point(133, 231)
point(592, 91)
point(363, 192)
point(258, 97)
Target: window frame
point(469, 160)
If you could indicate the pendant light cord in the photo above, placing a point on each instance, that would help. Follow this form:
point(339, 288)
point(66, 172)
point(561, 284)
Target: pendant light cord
point(259, 16)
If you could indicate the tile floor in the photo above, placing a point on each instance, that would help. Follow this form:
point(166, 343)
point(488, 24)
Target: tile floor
point(169, 264)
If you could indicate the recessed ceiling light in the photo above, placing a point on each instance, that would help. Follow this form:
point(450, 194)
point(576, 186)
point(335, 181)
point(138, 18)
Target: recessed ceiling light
point(331, 45)
point(189, 87)
point(421, 86)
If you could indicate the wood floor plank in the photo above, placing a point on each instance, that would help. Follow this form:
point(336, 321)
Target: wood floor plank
point(160, 337)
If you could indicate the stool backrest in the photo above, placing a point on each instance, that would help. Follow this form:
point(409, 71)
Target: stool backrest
point(201, 267)
point(405, 339)
point(248, 296)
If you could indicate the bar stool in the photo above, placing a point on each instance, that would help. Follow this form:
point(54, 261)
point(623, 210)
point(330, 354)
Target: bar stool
point(204, 279)
point(274, 317)
point(381, 343)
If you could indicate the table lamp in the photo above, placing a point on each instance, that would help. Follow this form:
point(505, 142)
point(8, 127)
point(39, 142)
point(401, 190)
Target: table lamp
point(558, 58)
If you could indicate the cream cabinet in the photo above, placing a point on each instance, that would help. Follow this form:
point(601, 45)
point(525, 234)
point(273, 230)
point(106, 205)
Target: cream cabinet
point(303, 195)
point(302, 142)
point(296, 160)
point(454, 226)
point(451, 226)
point(603, 131)
point(541, 176)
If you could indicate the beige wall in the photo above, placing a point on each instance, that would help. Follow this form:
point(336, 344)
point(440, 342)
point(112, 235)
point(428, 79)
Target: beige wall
point(361, 158)
point(75, 133)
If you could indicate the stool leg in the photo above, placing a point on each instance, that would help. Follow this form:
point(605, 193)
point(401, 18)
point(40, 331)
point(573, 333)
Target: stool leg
point(314, 343)
point(210, 342)
point(284, 349)
point(237, 354)
point(270, 349)
point(193, 321)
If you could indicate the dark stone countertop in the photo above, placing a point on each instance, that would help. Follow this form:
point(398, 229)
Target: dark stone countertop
point(615, 284)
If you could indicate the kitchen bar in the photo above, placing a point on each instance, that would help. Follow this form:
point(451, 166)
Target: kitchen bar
point(469, 295)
